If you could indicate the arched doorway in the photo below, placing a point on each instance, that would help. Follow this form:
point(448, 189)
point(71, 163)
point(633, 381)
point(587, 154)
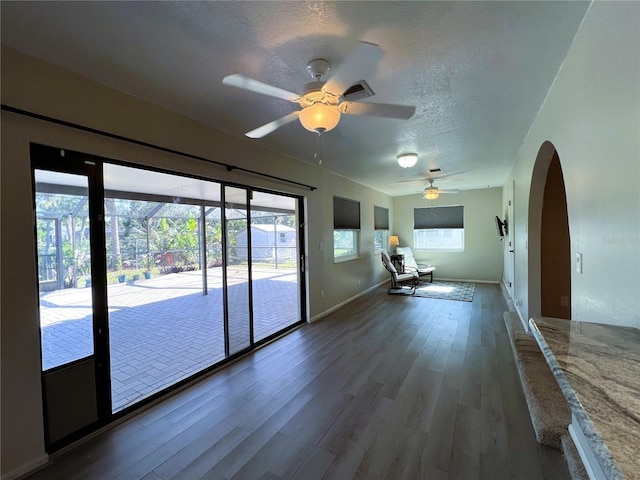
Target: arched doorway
point(549, 239)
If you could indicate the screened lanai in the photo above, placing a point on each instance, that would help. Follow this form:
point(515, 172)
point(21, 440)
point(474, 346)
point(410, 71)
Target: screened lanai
point(183, 289)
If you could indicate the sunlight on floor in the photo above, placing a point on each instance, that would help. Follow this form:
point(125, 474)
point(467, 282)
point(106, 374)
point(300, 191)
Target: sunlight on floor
point(438, 289)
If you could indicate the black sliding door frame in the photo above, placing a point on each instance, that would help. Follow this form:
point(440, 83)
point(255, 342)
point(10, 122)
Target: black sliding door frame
point(63, 161)
point(91, 167)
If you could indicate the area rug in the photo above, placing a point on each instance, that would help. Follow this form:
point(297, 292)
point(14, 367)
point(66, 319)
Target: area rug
point(462, 292)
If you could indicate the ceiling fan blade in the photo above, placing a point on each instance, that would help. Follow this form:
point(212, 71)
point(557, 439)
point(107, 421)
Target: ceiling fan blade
point(400, 182)
point(272, 126)
point(246, 83)
point(378, 109)
point(360, 64)
point(439, 176)
point(451, 190)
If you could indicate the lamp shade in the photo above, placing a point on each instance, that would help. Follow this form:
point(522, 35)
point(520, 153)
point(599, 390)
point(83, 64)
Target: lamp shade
point(407, 160)
point(394, 241)
point(319, 117)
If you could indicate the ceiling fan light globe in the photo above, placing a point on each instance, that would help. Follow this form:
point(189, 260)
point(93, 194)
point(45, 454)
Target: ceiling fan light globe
point(407, 160)
point(319, 117)
point(431, 193)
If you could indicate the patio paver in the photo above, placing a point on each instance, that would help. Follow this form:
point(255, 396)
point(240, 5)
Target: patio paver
point(164, 329)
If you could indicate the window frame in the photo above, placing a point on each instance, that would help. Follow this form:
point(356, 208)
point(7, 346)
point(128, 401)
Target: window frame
point(384, 241)
point(419, 246)
point(441, 220)
point(355, 243)
point(346, 218)
point(380, 225)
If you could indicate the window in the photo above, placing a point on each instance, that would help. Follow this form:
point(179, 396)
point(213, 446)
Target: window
point(345, 244)
point(439, 228)
point(381, 228)
point(346, 229)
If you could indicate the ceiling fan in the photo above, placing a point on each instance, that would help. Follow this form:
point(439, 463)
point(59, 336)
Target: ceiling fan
point(431, 192)
point(323, 102)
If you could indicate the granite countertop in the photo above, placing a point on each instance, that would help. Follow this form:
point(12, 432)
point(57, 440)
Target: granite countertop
point(598, 369)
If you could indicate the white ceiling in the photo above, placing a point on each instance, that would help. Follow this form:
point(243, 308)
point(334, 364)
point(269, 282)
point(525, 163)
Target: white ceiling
point(477, 72)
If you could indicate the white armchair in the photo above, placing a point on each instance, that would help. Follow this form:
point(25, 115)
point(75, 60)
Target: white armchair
point(411, 264)
point(399, 280)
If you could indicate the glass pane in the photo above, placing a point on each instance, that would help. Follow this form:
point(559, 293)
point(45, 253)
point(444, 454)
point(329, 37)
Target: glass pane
point(274, 267)
point(446, 239)
point(344, 243)
point(64, 267)
point(381, 240)
point(237, 269)
point(163, 325)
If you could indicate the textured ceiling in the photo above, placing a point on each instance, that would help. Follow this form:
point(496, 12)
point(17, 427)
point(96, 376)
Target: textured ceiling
point(477, 72)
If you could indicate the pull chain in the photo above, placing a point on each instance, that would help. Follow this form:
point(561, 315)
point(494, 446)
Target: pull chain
point(318, 154)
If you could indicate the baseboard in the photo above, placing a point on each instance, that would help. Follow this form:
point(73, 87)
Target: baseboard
point(525, 324)
point(506, 293)
point(351, 299)
point(465, 280)
point(27, 468)
point(345, 302)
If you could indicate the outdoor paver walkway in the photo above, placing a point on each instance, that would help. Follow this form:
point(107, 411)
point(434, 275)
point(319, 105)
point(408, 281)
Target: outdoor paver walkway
point(164, 329)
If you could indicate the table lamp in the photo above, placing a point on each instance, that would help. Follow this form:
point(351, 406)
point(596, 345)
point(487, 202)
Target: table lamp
point(394, 242)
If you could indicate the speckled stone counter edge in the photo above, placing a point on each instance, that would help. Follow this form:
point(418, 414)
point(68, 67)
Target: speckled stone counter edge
point(599, 449)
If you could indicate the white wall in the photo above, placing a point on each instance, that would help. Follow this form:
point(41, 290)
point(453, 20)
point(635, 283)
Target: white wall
point(482, 257)
point(48, 90)
point(592, 117)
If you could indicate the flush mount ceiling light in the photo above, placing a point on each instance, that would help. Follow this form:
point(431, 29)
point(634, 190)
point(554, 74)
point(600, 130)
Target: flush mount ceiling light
point(407, 160)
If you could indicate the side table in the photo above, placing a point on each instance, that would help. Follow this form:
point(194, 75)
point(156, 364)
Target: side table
point(398, 261)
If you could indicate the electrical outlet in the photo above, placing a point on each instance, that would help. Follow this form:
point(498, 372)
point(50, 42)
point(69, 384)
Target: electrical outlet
point(321, 293)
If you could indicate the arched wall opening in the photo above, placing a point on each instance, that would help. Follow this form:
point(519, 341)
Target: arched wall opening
point(549, 243)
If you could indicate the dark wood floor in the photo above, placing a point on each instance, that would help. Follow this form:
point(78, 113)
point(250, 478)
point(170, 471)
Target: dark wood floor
point(387, 387)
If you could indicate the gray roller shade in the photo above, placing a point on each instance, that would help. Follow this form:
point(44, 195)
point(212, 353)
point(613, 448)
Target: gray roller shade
point(380, 218)
point(346, 214)
point(438, 217)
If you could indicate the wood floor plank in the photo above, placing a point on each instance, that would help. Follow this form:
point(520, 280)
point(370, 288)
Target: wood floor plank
point(352, 449)
point(251, 445)
point(392, 387)
point(470, 386)
point(396, 450)
point(335, 437)
point(494, 448)
point(199, 465)
point(465, 451)
point(436, 453)
point(151, 476)
point(316, 465)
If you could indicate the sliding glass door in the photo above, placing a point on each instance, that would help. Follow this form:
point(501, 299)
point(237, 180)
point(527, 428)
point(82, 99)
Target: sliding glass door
point(148, 278)
point(71, 311)
point(275, 260)
point(165, 325)
point(237, 270)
